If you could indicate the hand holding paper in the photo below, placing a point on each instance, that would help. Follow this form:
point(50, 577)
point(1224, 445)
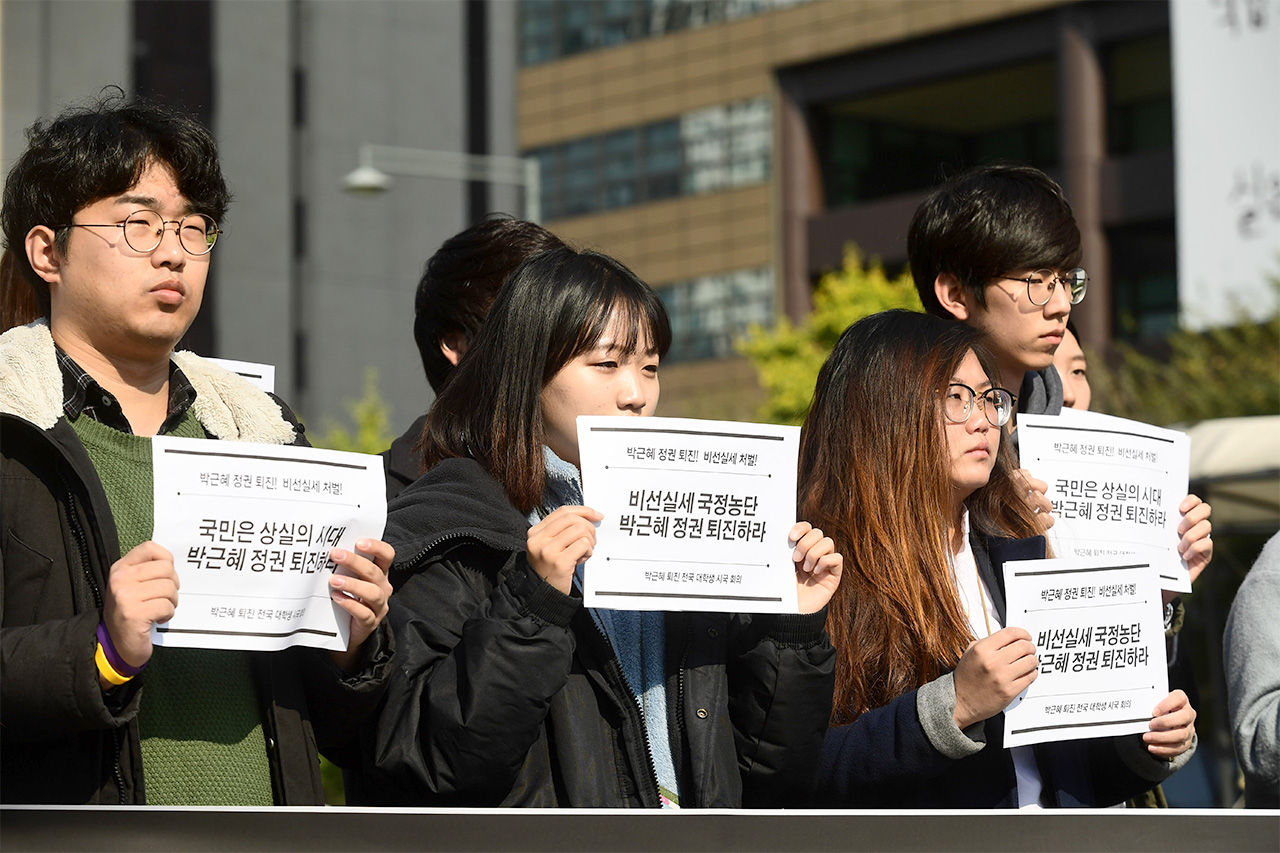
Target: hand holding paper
point(142, 589)
point(991, 672)
point(562, 540)
point(1036, 500)
point(1172, 726)
point(363, 591)
point(818, 567)
point(1195, 546)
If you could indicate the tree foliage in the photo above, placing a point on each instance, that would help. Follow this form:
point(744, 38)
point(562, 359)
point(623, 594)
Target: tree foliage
point(1224, 372)
point(787, 357)
point(369, 416)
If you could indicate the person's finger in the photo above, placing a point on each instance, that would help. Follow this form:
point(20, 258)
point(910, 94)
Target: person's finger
point(1172, 701)
point(798, 530)
point(382, 554)
point(1189, 502)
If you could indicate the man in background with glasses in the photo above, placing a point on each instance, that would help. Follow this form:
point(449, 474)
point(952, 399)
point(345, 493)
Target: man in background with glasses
point(113, 210)
point(997, 247)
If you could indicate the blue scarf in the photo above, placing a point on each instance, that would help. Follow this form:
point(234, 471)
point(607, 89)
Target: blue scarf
point(638, 638)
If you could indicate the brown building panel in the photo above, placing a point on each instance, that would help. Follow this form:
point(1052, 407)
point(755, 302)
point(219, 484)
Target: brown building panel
point(657, 78)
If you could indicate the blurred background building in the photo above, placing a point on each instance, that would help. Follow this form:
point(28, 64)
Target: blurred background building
point(727, 150)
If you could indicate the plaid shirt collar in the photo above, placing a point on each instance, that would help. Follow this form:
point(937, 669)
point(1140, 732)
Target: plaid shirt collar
point(82, 395)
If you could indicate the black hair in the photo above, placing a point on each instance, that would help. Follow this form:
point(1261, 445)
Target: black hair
point(554, 307)
point(460, 282)
point(99, 150)
point(986, 222)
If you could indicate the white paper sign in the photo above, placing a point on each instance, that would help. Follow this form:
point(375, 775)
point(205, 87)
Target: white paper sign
point(1115, 486)
point(250, 527)
point(262, 376)
point(1099, 634)
point(696, 514)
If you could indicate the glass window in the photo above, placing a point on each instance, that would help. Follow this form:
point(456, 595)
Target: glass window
point(662, 160)
point(1140, 96)
point(1144, 283)
point(750, 141)
point(576, 27)
point(620, 168)
point(709, 313)
point(704, 138)
point(580, 181)
point(904, 140)
point(537, 31)
point(572, 26)
point(702, 151)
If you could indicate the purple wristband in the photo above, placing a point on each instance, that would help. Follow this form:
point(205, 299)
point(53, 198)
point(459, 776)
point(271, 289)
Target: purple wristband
point(113, 657)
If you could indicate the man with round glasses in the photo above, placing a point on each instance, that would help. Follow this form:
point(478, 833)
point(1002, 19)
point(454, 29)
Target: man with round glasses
point(997, 247)
point(113, 212)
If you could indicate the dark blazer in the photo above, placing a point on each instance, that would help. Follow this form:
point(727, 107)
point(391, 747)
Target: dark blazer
point(887, 758)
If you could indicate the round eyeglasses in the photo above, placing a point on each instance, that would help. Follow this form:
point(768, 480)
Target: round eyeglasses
point(144, 229)
point(1041, 283)
point(996, 404)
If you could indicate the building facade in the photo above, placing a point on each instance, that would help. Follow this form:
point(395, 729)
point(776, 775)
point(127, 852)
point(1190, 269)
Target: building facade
point(730, 152)
point(308, 278)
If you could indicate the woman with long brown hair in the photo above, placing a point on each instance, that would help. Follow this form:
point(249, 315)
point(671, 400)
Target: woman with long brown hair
point(902, 465)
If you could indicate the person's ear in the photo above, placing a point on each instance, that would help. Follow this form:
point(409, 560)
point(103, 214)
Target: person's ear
point(952, 296)
point(454, 347)
point(42, 253)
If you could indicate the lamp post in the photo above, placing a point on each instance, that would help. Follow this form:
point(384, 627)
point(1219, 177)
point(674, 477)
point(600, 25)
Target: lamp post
point(379, 162)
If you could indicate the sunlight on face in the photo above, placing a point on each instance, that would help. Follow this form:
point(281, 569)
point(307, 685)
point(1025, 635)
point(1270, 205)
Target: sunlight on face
point(971, 445)
point(601, 381)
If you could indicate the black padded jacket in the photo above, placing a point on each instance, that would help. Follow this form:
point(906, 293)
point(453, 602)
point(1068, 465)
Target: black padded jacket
point(506, 693)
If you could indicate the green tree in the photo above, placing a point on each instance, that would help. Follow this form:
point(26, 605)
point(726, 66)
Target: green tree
point(1224, 372)
point(787, 357)
point(369, 415)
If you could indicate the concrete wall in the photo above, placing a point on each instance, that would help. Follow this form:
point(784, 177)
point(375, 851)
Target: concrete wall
point(52, 54)
point(374, 71)
point(387, 73)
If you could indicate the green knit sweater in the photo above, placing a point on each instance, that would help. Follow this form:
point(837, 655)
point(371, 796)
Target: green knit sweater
point(202, 737)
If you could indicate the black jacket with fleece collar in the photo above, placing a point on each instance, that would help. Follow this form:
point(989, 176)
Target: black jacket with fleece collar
point(61, 739)
point(506, 693)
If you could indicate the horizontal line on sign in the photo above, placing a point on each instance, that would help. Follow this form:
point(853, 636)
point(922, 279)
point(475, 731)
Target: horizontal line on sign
point(1082, 606)
point(684, 470)
point(256, 597)
point(689, 562)
point(1080, 725)
point(1110, 465)
point(1093, 692)
point(1082, 571)
point(689, 432)
point(1102, 431)
point(291, 498)
point(267, 458)
point(688, 595)
point(210, 633)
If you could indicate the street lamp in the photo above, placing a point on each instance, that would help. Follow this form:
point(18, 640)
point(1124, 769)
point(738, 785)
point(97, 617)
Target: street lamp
point(379, 162)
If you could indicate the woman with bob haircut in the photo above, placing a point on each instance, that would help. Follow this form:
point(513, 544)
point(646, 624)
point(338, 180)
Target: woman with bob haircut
point(902, 463)
point(509, 692)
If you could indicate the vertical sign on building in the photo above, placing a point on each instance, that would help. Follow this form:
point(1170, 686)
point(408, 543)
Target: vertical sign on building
point(1226, 83)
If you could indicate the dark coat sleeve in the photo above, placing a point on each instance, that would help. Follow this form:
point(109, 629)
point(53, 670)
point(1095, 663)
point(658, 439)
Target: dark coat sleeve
point(481, 656)
point(781, 672)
